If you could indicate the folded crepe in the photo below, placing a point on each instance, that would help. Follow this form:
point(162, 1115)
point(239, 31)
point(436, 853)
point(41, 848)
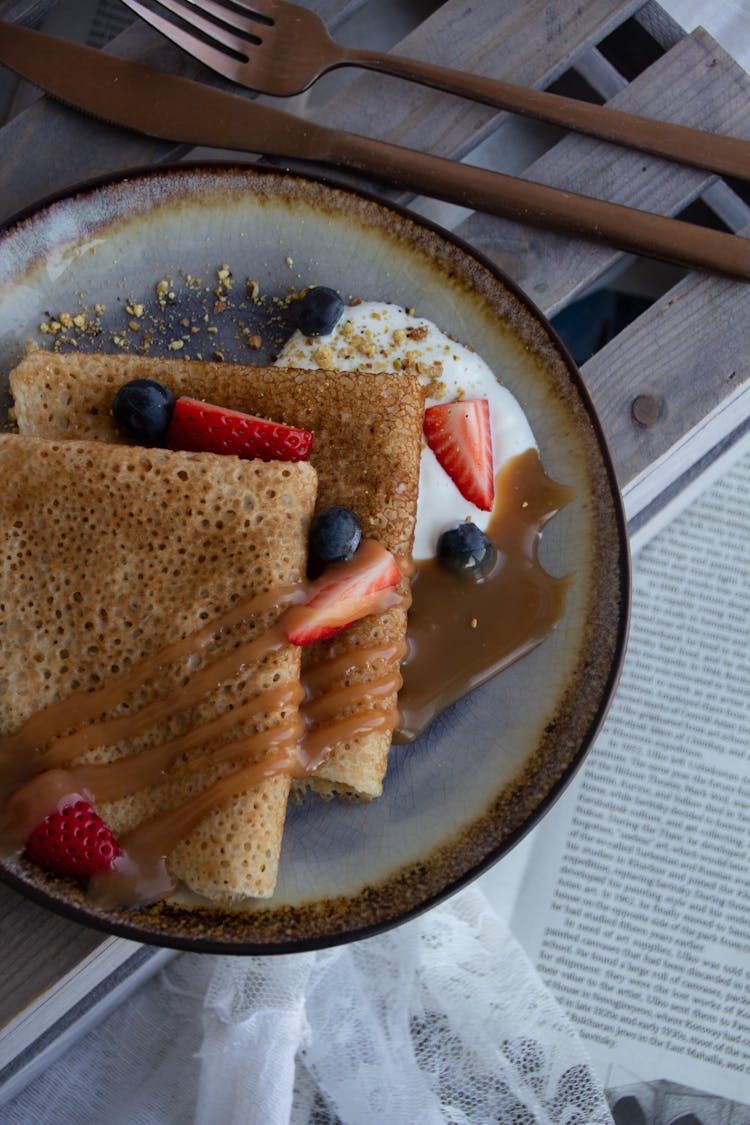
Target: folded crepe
point(112, 553)
point(366, 451)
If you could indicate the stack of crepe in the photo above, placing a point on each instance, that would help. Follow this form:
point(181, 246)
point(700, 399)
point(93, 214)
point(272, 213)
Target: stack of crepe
point(112, 551)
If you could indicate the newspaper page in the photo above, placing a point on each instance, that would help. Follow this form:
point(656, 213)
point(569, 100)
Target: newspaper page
point(635, 901)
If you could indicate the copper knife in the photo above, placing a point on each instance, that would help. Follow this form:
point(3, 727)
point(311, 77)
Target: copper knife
point(167, 107)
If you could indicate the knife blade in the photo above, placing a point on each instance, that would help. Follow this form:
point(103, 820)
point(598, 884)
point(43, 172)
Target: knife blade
point(138, 97)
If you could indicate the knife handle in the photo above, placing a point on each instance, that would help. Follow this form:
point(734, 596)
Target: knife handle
point(581, 216)
point(729, 156)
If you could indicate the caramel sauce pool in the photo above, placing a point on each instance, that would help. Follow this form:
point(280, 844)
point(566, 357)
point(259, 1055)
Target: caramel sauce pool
point(461, 631)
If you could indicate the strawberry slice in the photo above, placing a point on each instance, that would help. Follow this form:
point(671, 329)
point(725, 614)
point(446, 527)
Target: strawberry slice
point(460, 436)
point(346, 592)
point(73, 840)
point(202, 427)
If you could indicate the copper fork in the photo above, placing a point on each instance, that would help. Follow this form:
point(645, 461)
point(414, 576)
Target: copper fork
point(281, 48)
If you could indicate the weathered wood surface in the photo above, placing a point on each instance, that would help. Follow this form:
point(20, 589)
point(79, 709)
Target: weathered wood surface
point(27, 12)
point(49, 148)
point(38, 948)
point(697, 84)
point(689, 351)
point(530, 44)
point(531, 48)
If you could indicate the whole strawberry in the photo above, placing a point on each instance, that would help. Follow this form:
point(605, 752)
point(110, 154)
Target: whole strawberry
point(73, 840)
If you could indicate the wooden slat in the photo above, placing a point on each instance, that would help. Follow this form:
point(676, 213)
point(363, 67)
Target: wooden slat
point(27, 12)
point(691, 352)
point(606, 80)
point(530, 44)
point(696, 83)
point(38, 948)
point(659, 24)
point(334, 12)
point(48, 147)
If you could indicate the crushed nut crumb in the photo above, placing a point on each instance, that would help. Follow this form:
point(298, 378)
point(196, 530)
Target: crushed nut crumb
point(323, 356)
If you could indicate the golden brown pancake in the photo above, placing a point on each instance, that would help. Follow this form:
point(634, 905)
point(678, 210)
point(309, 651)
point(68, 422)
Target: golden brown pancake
point(109, 554)
point(366, 452)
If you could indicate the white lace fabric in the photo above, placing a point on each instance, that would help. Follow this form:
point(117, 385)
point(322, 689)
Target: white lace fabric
point(441, 1021)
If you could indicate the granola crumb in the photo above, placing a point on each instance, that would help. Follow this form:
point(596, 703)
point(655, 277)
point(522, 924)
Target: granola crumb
point(163, 292)
point(324, 357)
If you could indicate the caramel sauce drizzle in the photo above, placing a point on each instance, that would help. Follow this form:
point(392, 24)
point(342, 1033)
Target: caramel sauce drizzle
point(454, 644)
point(23, 748)
point(296, 746)
point(140, 875)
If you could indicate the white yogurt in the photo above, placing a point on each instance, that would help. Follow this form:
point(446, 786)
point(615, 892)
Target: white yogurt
point(374, 336)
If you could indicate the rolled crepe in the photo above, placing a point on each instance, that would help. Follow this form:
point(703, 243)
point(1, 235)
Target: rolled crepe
point(110, 553)
point(366, 450)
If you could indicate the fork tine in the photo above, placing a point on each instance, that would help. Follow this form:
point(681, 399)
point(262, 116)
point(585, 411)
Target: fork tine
point(212, 57)
point(249, 24)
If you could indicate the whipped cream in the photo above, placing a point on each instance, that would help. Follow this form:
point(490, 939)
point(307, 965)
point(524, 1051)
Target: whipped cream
point(375, 336)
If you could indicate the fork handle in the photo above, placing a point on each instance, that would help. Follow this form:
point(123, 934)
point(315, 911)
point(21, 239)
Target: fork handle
point(729, 156)
point(582, 216)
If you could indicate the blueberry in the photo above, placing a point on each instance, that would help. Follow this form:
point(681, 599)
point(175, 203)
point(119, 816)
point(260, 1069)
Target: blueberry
point(335, 535)
point(318, 312)
point(466, 550)
point(142, 411)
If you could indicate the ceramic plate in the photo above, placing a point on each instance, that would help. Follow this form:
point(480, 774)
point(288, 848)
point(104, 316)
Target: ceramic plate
point(458, 798)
